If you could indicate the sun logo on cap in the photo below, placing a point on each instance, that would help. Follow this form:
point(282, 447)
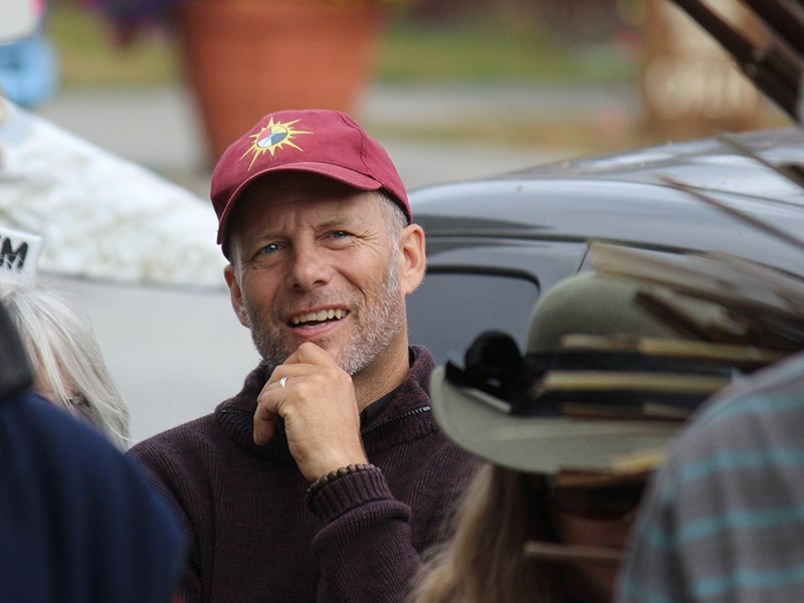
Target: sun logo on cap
point(273, 136)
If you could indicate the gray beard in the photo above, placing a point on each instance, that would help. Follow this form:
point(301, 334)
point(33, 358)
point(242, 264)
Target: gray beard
point(380, 324)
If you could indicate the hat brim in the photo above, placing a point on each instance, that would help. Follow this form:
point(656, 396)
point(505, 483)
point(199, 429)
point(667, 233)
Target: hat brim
point(341, 174)
point(476, 421)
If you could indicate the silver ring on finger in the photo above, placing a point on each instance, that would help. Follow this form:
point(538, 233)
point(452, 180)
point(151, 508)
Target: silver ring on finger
point(282, 382)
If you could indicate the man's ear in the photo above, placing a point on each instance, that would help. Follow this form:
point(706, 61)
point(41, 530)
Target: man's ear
point(413, 261)
point(235, 295)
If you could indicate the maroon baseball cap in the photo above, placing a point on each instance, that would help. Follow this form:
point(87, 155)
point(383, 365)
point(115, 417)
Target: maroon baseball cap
point(319, 141)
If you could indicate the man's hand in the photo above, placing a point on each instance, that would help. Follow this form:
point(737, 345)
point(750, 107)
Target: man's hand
point(319, 408)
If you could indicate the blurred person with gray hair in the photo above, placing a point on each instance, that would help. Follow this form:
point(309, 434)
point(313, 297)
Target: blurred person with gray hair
point(69, 368)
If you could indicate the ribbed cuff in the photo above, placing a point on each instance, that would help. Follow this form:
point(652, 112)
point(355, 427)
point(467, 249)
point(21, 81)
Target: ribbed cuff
point(332, 497)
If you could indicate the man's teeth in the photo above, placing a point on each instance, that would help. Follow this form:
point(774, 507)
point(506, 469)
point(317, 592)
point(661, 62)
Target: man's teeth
point(320, 316)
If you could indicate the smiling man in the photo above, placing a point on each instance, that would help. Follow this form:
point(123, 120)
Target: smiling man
point(326, 477)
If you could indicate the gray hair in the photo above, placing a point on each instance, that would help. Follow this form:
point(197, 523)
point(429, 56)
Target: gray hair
point(393, 217)
point(65, 356)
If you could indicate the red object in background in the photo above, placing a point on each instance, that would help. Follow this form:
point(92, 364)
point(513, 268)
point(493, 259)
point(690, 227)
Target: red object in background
point(245, 59)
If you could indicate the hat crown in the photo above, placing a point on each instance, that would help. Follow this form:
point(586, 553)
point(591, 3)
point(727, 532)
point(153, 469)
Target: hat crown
point(319, 141)
point(589, 304)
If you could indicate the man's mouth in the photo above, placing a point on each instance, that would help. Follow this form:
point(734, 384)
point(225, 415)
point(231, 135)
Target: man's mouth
point(317, 318)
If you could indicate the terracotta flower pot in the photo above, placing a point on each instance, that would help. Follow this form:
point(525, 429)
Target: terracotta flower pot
point(244, 58)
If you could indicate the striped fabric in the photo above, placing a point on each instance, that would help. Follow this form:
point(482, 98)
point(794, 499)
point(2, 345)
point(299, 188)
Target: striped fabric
point(724, 519)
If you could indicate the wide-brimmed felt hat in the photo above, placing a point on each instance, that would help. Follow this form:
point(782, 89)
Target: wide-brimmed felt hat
point(555, 429)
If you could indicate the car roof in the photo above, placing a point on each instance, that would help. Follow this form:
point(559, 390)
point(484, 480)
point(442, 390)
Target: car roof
point(621, 198)
point(692, 163)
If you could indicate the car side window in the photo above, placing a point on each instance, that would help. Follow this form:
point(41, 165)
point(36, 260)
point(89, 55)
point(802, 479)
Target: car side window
point(451, 308)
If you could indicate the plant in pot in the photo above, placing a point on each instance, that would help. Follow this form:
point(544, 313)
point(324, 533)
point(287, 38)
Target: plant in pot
point(244, 58)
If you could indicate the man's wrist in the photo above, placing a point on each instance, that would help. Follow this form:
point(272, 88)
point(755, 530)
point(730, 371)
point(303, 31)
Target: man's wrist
point(332, 476)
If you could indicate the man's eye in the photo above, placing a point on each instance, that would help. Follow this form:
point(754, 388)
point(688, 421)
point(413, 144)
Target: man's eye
point(339, 234)
point(268, 249)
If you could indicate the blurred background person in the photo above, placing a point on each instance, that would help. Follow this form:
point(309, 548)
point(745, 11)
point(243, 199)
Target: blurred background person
point(79, 520)
point(531, 537)
point(29, 65)
point(722, 522)
point(69, 368)
point(572, 432)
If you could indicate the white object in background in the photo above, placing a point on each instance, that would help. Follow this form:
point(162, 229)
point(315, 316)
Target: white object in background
point(18, 19)
point(101, 216)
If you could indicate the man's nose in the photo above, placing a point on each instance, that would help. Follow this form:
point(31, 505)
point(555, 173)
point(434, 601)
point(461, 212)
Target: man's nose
point(309, 267)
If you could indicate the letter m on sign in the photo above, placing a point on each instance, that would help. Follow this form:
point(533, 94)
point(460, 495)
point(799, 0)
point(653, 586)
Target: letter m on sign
point(13, 259)
point(19, 251)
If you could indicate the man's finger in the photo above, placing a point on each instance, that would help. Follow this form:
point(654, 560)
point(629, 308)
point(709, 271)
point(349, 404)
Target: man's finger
point(264, 419)
point(310, 353)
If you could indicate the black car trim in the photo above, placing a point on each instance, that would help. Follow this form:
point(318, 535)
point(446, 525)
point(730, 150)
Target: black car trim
point(529, 236)
point(482, 270)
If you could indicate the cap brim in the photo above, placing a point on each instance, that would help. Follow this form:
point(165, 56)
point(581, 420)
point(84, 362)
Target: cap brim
point(475, 421)
point(341, 174)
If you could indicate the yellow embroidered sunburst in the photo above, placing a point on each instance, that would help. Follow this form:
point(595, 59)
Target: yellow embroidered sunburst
point(272, 137)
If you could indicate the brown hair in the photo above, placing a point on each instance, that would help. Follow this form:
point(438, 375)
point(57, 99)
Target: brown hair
point(485, 560)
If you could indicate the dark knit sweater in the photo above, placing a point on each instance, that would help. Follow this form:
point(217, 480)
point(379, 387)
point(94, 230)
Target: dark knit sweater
point(254, 538)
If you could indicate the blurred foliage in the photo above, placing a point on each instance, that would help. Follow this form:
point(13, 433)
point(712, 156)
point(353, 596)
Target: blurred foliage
point(411, 50)
point(89, 56)
point(415, 52)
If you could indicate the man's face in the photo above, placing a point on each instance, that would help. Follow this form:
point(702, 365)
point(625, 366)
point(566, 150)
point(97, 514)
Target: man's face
point(314, 261)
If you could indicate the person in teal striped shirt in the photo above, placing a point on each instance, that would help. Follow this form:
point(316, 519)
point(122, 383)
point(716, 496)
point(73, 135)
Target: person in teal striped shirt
point(724, 517)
